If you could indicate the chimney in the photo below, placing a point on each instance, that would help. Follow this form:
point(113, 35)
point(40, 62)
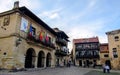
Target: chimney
point(56, 29)
point(16, 4)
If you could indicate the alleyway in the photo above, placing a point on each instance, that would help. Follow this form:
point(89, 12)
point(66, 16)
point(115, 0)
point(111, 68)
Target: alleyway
point(52, 71)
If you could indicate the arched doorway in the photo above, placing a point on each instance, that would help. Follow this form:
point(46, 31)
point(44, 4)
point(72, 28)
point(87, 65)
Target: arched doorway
point(41, 58)
point(30, 58)
point(48, 60)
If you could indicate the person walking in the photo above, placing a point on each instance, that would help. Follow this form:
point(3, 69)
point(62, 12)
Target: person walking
point(107, 68)
point(104, 68)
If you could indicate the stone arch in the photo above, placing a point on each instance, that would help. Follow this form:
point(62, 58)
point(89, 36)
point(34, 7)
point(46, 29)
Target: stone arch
point(30, 58)
point(48, 60)
point(41, 59)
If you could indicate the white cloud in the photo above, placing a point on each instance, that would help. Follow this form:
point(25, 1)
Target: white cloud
point(5, 5)
point(92, 4)
point(87, 10)
point(49, 15)
point(103, 39)
point(52, 14)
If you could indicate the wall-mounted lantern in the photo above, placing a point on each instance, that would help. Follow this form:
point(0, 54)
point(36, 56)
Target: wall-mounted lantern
point(18, 41)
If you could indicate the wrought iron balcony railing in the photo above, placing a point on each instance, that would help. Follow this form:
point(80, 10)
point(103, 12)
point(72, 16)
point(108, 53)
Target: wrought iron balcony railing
point(36, 40)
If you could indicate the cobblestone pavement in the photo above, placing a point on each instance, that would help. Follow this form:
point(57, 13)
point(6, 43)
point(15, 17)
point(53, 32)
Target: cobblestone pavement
point(53, 71)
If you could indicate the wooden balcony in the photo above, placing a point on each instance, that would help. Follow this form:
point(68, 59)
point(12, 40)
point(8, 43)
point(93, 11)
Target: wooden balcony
point(61, 41)
point(87, 56)
point(60, 53)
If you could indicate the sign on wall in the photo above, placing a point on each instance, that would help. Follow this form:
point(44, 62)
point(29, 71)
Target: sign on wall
point(24, 25)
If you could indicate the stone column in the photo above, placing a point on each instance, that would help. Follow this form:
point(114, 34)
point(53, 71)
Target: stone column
point(45, 62)
point(36, 61)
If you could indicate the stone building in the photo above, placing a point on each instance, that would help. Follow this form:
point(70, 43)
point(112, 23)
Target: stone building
point(62, 52)
point(25, 40)
point(86, 51)
point(104, 54)
point(114, 48)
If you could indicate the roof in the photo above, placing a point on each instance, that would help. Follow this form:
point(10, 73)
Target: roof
point(113, 32)
point(25, 11)
point(38, 20)
point(86, 40)
point(60, 32)
point(63, 33)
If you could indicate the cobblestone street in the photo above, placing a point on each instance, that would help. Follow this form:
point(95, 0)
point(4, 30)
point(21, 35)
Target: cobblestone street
point(51, 71)
point(59, 71)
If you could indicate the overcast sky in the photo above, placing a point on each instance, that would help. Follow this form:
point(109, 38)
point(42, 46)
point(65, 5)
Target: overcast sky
point(77, 18)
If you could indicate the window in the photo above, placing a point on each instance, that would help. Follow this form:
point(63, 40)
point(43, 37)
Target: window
point(114, 49)
point(95, 53)
point(115, 55)
point(32, 31)
point(106, 55)
point(77, 53)
point(116, 38)
point(82, 53)
point(80, 46)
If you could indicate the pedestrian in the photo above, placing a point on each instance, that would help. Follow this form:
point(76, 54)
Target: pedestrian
point(94, 65)
point(107, 68)
point(104, 68)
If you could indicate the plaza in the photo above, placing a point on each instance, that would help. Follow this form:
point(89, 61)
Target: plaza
point(60, 71)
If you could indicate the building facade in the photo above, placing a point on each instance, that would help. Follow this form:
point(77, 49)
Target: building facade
point(104, 54)
point(86, 51)
point(62, 52)
point(114, 48)
point(25, 40)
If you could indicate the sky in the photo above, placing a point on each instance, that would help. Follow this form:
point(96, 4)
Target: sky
point(77, 18)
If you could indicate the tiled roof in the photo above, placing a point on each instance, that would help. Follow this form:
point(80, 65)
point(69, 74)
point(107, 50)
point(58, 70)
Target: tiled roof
point(84, 40)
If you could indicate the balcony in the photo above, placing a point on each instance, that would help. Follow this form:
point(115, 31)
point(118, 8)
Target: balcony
point(35, 40)
point(61, 41)
point(87, 56)
point(60, 53)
